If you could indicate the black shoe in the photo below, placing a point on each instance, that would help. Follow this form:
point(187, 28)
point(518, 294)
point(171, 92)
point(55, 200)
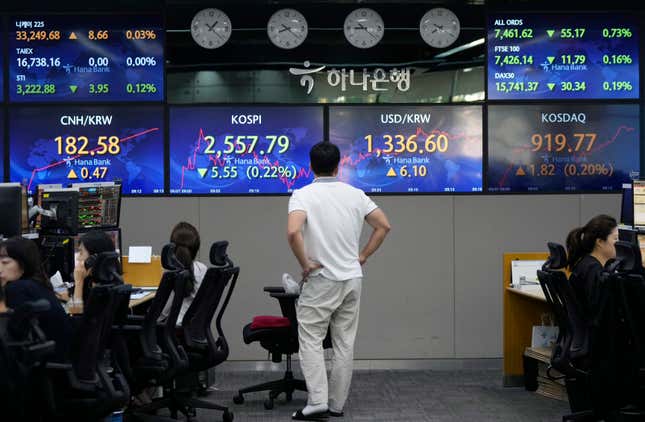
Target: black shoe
point(336, 414)
point(318, 416)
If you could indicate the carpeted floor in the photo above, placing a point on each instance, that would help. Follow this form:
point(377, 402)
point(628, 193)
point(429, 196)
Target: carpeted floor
point(410, 396)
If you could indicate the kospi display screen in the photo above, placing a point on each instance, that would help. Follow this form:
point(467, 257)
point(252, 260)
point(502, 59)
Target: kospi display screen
point(557, 56)
point(88, 144)
point(562, 147)
point(242, 149)
point(97, 58)
point(409, 149)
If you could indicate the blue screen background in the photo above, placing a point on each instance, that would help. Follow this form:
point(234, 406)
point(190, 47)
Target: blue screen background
point(509, 147)
point(77, 53)
point(190, 125)
point(541, 46)
point(459, 169)
point(34, 154)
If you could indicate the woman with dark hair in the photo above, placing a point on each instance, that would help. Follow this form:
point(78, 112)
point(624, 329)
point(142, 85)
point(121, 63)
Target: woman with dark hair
point(588, 250)
point(186, 239)
point(91, 243)
point(23, 280)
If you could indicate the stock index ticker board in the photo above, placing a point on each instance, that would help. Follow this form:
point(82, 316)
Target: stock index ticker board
point(562, 147)
point(563, 56)
point(242, 149)
point(409, 149)
point(75, 58)
point(74, 144)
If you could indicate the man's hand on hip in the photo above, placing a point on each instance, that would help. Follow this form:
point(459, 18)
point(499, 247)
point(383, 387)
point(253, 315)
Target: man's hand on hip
point(307, 269)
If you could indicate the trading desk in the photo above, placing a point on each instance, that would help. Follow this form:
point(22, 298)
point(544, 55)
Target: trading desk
point(138, 275)
point(523, 308)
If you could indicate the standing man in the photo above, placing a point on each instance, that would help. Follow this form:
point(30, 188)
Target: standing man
point(324, 228)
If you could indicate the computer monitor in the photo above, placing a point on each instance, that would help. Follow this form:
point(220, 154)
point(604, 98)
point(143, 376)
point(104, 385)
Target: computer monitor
point(627, 205)
point(638, 188)
point(99, 204)
point(39, 200)
point(628, 235)
point(63, 204)
point(11, 209)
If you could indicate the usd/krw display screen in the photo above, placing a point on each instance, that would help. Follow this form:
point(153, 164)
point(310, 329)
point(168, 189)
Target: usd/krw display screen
point(86, 58)
point(409, 149)
point(555, 56)
point(562, 147)
point(242, 149)
point(88, 144)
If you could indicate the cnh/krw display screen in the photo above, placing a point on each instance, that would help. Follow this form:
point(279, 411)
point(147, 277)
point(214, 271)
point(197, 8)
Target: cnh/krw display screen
point(88, 144)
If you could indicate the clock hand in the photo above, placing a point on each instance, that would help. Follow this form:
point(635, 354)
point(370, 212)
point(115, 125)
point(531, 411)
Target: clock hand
point(294, 34)
point(286, 28)
point(211, 27)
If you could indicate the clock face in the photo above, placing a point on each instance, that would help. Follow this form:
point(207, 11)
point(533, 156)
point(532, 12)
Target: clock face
point(211, 28)
point(287, 28)
point(439, 27)
point(363, 28)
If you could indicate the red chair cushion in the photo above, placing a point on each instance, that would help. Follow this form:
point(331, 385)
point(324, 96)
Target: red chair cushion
point(268, 321)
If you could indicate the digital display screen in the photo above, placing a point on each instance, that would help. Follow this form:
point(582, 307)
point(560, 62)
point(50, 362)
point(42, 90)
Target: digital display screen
point(556, 56)
point(409, 149)
point(562, 147)
point(242, 149)
point(86, 58)
point(88, 144)
point(2, 145)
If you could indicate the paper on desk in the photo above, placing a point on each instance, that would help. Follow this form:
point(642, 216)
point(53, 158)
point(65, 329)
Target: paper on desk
point(524, 272)
point(57, 281)
point(140, 254)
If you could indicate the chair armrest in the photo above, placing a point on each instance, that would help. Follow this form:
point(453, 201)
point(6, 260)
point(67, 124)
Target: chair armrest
point(274, 289)
point(58, 366)
point(127, 328)
point(135, 318)
point(285, 295)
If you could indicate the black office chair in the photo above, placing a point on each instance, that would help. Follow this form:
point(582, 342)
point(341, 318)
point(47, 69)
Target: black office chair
point(22, 355)
point(629, 285)
point(278, 341)
point(570, 353)
point(203, 350)
point(86, 389)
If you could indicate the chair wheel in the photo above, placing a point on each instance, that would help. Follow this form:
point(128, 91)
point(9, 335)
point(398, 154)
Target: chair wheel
point(239, 399)
point(227, 416)
point(268, 404)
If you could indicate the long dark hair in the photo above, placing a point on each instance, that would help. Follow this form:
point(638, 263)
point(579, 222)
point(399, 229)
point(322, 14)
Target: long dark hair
point(187, 241)
point(582, 240)
point(97, 241)
point(26, 253)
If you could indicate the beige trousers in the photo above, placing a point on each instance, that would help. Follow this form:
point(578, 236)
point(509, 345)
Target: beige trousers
point(335, 304)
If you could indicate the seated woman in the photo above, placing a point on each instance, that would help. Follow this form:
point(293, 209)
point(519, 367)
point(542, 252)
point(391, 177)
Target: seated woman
point(90, 243)
point(187, 241)
point(23, 279)
point(588, 250)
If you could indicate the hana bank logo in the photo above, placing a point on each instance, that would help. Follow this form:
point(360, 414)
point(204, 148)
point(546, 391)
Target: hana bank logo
point(306, 80)
point(375, 80)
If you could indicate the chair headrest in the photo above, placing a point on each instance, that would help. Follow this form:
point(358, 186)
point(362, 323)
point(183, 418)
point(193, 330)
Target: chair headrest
point(218, 255)
point(169, 260)
point(557, 256)
point(105, 267)
point(628, 257)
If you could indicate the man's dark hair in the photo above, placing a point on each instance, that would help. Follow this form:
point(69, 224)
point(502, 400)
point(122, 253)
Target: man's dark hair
point(324, 157)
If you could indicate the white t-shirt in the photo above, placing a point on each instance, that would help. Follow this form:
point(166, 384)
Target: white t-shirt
point(335, 215)
point(199, 270)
